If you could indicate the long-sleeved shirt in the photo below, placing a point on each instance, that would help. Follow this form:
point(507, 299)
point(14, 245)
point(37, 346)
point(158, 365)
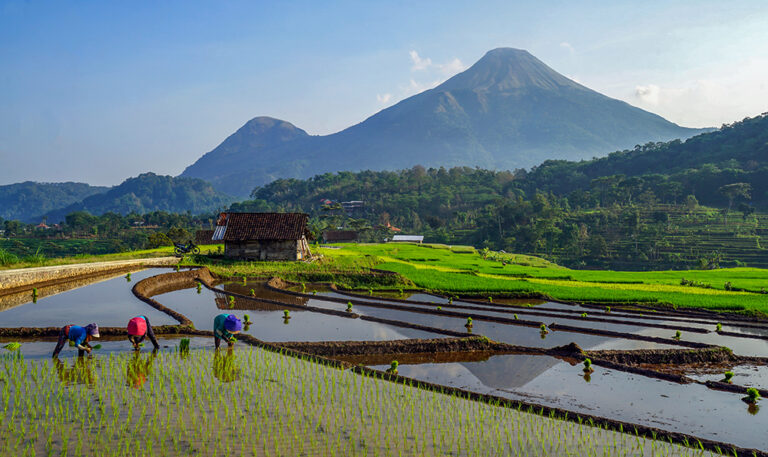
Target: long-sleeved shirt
point(150, 333)
point(74, 333)
point(219, 331)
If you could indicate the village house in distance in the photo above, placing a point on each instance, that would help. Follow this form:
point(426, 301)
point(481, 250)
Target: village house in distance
point(263, 236)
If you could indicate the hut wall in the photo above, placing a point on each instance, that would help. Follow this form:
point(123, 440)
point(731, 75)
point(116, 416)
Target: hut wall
point(267, 249)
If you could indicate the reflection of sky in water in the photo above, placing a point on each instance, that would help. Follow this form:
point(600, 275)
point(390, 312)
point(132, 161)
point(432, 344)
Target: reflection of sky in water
point(44, 349)
point(689, 408)
point(743, 375)
point(512, 334)
point(109, 303)
point(268, 325)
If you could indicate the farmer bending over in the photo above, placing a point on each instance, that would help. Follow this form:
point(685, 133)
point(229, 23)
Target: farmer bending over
point(77, 336)
point(225, 327)
point(139, 328)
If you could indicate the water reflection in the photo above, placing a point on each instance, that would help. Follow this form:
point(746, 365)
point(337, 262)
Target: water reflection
point(139, 368)
point(81, 372)
point(226, 367)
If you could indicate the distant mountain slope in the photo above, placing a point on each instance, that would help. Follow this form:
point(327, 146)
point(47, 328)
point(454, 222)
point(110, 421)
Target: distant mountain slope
point(27, 200)
point(509, 110)
point(150, 192)
point(700, 165)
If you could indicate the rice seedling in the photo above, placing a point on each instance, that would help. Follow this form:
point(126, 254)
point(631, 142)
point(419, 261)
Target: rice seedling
point(588, 366)
point(677, 335)
point(728, 376)
point(98, 346)
point(275, 406)
point(13, 346)
point(753, 395)
point(490, 299)
point(543, 329)
point(247, 320)
point(177, 268)
point(439, 308)
point(393, 367)
point(231, 302)
point(349, 306)
point(286, 314)
point(583, 314)
point(719, 327)
point(608, 309)
point(128, 277)
point(199, 288)
point(469, 323)
point(184, 346)
point(253, 293)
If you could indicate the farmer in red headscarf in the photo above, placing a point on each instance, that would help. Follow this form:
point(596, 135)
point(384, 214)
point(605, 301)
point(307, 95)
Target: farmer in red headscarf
point(138, 329)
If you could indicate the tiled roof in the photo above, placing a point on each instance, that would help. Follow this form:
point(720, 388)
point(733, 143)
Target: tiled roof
point(265, 226)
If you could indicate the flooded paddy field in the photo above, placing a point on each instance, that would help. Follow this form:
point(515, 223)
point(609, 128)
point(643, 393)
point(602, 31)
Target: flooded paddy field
point(339, 408)
point(107, 301)
point(269, 323)
point(686, 408)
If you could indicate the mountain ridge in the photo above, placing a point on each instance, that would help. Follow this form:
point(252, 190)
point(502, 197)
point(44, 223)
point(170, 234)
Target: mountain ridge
point(509, 110)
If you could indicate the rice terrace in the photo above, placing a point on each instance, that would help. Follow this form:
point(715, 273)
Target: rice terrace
point(383, 229)
point(393, 349)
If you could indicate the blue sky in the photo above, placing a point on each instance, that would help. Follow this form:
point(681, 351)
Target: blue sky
point(100, 91)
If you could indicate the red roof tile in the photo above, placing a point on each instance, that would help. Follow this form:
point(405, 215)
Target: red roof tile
point(265, 226)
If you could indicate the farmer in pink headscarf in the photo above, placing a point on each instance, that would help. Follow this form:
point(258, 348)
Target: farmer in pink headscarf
point(138, 328)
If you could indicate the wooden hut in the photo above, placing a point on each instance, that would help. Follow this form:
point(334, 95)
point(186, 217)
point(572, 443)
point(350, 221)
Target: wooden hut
point(264, 236)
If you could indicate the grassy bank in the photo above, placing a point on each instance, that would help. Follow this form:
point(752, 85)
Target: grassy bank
point(734, 289)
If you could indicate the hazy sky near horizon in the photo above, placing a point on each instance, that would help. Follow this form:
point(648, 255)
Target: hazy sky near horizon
point(100, 91)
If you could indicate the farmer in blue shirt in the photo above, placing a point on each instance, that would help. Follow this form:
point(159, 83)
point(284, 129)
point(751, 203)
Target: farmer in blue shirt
point(225, 327)
point(78, 336)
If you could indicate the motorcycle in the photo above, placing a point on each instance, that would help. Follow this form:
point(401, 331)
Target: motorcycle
point(182, 249)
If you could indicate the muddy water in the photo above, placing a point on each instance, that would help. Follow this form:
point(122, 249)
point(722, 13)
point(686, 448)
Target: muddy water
point(108, 303)
point(269, 325)
point(743, 375)
point(43, 348)
point(512, 334)
point(629, 324)
point(544, 380)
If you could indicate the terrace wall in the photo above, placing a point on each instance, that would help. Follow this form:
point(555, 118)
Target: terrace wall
point(25, 278)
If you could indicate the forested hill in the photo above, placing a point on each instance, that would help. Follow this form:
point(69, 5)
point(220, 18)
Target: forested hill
point(150, 192)
point(699, 166)
point(27, 200)
point(656, 172)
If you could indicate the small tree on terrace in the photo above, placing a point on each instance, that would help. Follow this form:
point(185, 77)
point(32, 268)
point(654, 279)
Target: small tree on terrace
point(734, 191)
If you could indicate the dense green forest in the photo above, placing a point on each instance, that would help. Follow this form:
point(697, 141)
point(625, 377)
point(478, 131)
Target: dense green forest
point(29, 199)
point(83, 233)
point(622, 211)
point(698, 203)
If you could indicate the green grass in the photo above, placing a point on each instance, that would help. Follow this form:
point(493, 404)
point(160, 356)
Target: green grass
point(442, 270)
point(42, 261)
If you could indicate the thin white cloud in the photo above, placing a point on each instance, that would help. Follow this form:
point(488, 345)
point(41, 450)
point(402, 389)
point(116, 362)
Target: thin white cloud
point(419, 64)
point(568, 46)
point(383, 98)
point(425, 75)
point(711, 101)
point(648, 94)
